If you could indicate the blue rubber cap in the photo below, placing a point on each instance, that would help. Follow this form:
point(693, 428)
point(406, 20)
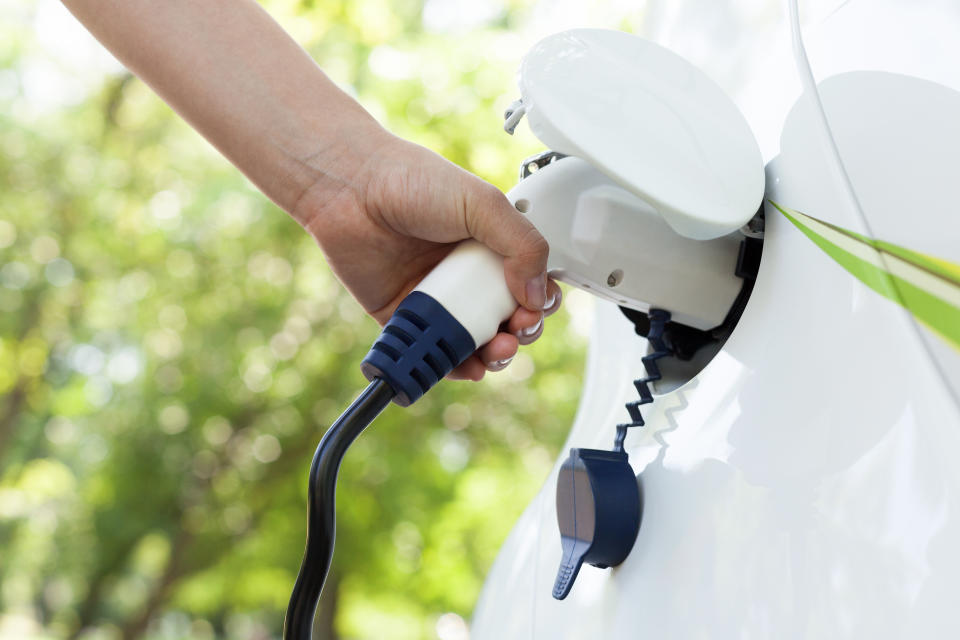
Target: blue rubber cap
point(420, 345)
point(598, 510)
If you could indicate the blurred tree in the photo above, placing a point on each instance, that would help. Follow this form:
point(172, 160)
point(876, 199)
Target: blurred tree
point(172, 347)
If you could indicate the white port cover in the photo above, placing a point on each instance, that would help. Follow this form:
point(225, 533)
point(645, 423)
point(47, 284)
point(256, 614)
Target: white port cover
point(649, 120)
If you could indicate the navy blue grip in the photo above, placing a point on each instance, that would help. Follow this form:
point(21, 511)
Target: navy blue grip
point(420, 345)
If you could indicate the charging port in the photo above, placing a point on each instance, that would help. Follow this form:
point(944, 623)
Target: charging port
point(689, 350)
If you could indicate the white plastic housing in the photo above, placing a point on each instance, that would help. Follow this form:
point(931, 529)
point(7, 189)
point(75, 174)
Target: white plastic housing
point(602, 239)
point(649, 119)
point(608, 241)
point(648, 217)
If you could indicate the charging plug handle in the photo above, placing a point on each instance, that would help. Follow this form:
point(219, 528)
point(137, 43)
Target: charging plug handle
point(421, 344)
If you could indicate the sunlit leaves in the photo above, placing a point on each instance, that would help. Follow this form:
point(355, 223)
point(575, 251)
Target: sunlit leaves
point(172, 347)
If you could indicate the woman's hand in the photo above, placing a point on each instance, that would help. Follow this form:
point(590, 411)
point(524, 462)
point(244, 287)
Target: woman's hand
point(386, 211)
point(383, 210)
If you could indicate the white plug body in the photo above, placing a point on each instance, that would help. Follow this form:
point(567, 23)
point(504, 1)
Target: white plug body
point(603, 239)
point(610, 242)
point(470, 284)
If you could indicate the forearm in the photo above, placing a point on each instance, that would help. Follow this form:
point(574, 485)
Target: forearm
point(242, 82)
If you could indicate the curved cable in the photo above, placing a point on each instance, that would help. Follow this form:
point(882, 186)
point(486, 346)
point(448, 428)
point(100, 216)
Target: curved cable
point(321, 509)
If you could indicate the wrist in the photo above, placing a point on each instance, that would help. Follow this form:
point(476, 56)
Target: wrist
point(332, 161)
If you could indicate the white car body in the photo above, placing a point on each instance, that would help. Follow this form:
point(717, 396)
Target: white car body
point(805, 483)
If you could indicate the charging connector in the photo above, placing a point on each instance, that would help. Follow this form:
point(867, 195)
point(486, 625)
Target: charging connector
point(421, 344)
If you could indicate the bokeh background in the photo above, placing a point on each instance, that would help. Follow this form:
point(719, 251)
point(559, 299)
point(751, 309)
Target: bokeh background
point(172, 347)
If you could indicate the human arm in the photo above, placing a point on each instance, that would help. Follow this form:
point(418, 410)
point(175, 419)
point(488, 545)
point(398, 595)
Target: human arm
point(383, 210)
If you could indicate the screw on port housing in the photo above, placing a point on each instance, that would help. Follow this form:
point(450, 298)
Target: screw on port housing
point(539, 161)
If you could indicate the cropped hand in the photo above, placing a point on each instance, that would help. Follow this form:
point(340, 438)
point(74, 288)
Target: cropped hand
point(386, 211)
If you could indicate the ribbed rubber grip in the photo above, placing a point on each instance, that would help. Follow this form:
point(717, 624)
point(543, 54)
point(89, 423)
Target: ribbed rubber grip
point(420, 345)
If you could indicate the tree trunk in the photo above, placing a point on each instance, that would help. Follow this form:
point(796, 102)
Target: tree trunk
point(11, 414)
point(135, 626)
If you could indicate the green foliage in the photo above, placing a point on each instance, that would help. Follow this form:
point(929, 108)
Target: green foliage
point(172, 347)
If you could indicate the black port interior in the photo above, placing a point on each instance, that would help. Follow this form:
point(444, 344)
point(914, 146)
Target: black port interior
point(690, 348)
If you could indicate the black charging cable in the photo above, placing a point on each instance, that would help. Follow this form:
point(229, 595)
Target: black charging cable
point(420, 344)
point(321, 509)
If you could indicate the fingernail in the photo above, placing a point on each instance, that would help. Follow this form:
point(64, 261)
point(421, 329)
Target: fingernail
point(537, 291)
point(500, 364)
point(526, 332)
point(553, 301)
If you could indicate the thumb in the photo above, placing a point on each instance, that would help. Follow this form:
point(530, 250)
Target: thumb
point(494, 221)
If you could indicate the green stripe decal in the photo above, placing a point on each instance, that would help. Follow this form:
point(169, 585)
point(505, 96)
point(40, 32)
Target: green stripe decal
point(926, 286)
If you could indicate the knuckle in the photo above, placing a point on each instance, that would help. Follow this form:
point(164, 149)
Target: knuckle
point(489, 194)
point(533, 245)
point(477, 204)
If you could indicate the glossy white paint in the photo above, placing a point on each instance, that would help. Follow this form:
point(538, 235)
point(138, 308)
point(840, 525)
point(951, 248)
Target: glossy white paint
point(803, 485)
